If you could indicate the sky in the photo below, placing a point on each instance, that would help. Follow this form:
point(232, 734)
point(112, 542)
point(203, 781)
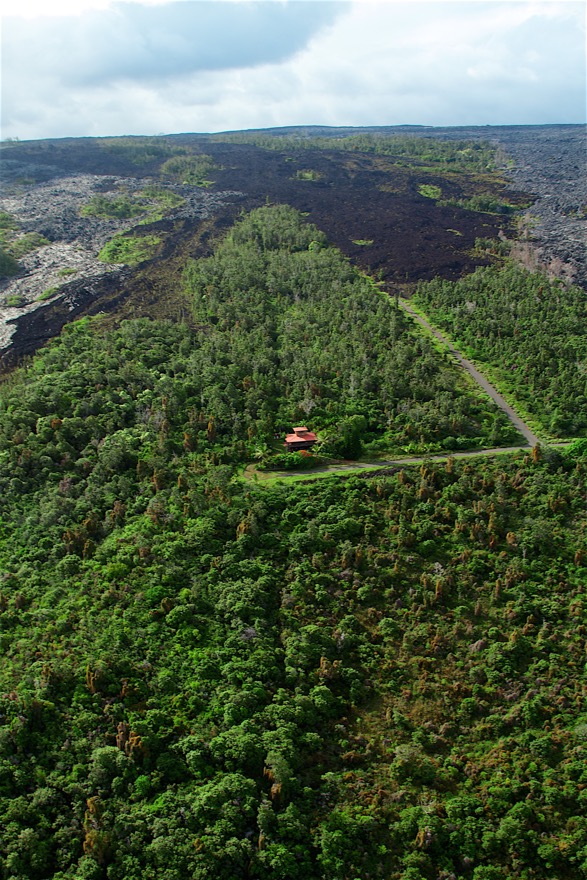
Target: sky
point(74, 68)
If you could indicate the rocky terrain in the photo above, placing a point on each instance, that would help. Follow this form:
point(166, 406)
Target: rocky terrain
point(369, 207)
point(48, 201)
point(551, 163)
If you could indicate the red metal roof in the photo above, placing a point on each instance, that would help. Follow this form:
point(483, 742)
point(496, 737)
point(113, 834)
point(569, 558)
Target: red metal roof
point(305, 437)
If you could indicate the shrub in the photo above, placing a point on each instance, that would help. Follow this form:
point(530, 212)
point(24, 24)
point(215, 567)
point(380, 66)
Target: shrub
point(8, 265)
point(190, 170)
point(129, 249)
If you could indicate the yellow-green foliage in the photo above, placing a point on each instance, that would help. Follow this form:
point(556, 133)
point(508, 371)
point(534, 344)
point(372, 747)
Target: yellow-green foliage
point(430, 191)
point(118, 207)
point(14, 300)
point(165, 198)
point(47, 294)
point(26, 243)
point(307, 174)
point(485, 203)
point(129, 249)
point(14, 246)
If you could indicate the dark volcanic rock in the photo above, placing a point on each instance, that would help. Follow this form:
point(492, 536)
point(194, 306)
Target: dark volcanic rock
point(550, 162)
point(368, 206)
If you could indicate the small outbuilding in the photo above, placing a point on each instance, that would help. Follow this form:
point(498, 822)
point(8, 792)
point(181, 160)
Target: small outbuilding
point(300, 439)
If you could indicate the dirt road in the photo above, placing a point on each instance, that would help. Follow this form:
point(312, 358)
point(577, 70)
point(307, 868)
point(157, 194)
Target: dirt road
point(251, 472)
point(514, 418)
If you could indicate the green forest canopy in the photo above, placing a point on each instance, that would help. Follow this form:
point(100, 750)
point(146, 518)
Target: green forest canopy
point(291, 332)
point(529, 329)
point(206, 679)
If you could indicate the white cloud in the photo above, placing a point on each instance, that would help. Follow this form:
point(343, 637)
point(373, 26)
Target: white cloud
point(60, 8)
point(132, 42)
point(199, 66)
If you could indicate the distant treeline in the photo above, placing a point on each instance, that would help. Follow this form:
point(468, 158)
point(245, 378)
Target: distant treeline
point(463, 155)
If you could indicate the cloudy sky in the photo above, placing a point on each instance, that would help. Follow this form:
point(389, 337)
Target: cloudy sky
point(104, 67)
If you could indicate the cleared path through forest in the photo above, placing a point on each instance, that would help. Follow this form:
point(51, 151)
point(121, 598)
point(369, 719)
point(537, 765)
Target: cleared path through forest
point(342, 467)
point(531, 438)
point(512, 415)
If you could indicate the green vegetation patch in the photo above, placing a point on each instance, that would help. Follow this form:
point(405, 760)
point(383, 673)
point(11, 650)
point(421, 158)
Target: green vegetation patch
point(14, 245)
point(407, 150)
point(530, 330)
point(190, 170)
point(484, 203)
point(363, 677)
point(8, 265)
point(308, 174)
point(495, 247)
point(129, 249)
point(154, 201)
point(429, 190)
point(48, 294)
point(117, 207)
point(141, 150)
point(164, 198)
point(26, 244)
point(363, 242)
point(7, 222)
point(14, 300)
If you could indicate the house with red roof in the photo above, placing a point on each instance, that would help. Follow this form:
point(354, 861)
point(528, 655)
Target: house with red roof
point(300, 439)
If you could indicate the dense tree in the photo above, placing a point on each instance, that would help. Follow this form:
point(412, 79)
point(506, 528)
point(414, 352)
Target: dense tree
point(529, 329)
point(205, 678)
point(291, 332)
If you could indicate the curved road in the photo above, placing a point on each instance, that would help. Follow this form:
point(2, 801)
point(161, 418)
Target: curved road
point(514, 418)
